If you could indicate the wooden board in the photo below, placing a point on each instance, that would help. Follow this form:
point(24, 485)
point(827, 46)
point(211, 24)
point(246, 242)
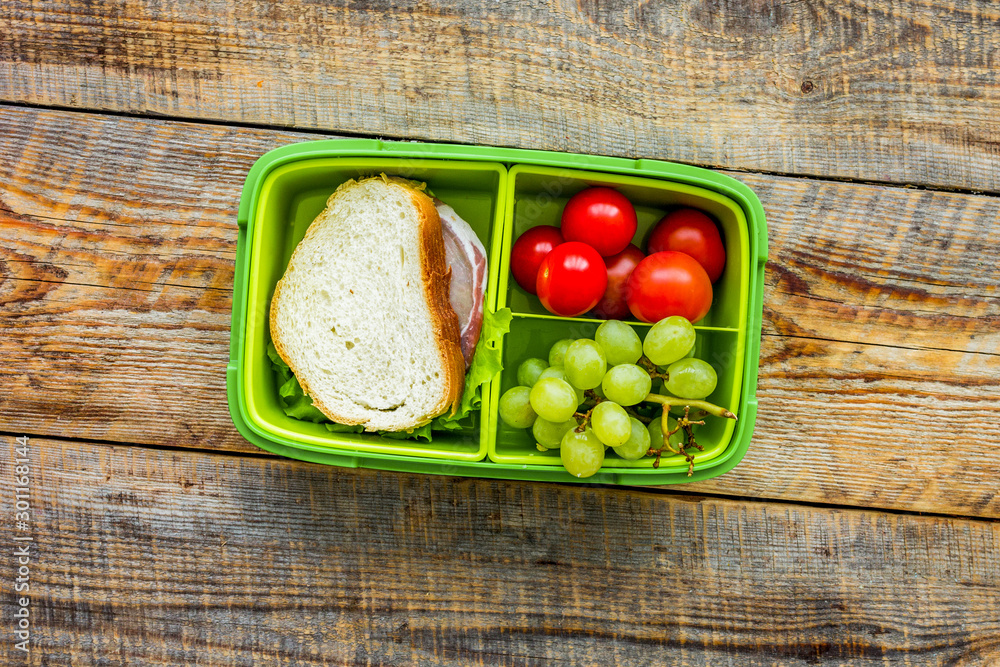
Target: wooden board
point(166, 558)
point(890, 91)
point(873, 426)
point(880, 363)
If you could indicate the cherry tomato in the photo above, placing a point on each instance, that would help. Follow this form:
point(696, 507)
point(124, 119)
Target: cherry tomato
point(571, 279)
point(600, 217)
point(613, 305)
point(692, 232)
point(669, 283)
point(529, 250)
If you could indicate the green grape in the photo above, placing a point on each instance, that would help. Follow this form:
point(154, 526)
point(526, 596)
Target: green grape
point(553, 399)
point(529, 370)
point(560, 372)
point(656, 434)
point(515, 408)
point(582, 454)
point(626, 384)
point(558, 351)
point(550, 434)
point(637, 444)
point(611, 423)
point(669, 340)
point(553, 372)
point(620, 342)
point(691, 378)
point(585, 364)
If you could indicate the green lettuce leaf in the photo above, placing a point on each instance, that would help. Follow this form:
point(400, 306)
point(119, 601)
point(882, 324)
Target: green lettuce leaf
point(424, 433)
point(297, 404)
point(277, 363)
point(486, 363)
point(294, 402)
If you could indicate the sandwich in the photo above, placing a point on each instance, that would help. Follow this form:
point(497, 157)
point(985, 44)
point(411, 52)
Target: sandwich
point(378, 321)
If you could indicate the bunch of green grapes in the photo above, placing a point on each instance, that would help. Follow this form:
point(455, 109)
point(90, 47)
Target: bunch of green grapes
point(584, 398)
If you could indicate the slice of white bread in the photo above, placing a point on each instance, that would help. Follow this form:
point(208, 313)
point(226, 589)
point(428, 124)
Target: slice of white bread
point(362, 315)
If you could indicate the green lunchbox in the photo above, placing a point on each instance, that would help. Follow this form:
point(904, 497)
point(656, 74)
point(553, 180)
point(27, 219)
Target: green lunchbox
point(501, 193)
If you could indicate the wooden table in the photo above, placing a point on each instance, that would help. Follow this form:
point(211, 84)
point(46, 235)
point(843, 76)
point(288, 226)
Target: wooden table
point(861, 528)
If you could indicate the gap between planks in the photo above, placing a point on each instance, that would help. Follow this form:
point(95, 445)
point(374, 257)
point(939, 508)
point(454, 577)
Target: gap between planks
point(347, 134)
point(678, 494)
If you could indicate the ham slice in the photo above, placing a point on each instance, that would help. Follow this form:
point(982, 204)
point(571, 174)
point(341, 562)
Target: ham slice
point(466, 256)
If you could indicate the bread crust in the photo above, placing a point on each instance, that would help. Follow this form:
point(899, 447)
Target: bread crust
point(436, 278)
point(437, 288)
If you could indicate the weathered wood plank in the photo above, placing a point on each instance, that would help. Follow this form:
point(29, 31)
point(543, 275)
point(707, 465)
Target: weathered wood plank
point(892, 266)
point(873, 426)
point(880, 364)
point(898, 91)
point(154, 557)
point(116, 275)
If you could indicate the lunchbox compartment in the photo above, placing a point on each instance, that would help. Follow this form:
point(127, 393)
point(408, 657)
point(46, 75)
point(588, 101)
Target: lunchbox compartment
point(532, 336)
point(291, 197)
point(537, 196)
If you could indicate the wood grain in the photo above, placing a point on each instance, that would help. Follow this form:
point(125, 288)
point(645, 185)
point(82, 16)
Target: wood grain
point(865, 89)
point(880, 363)
point(163, 558)
point(873, 426)
point(119, 241)
point(890, 266)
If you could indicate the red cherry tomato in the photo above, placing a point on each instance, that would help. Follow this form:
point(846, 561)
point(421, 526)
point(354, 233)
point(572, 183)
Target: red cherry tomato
point(692, 232)
point(669, 283)
point(529, 250)
point(613, 305)
point(600, 217)
point(571, 279)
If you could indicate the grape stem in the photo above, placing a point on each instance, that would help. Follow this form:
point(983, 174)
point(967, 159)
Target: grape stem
point(583, 418)
point(641, 418)
point(684, 423)
point(673, 402)
point(650, 367)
